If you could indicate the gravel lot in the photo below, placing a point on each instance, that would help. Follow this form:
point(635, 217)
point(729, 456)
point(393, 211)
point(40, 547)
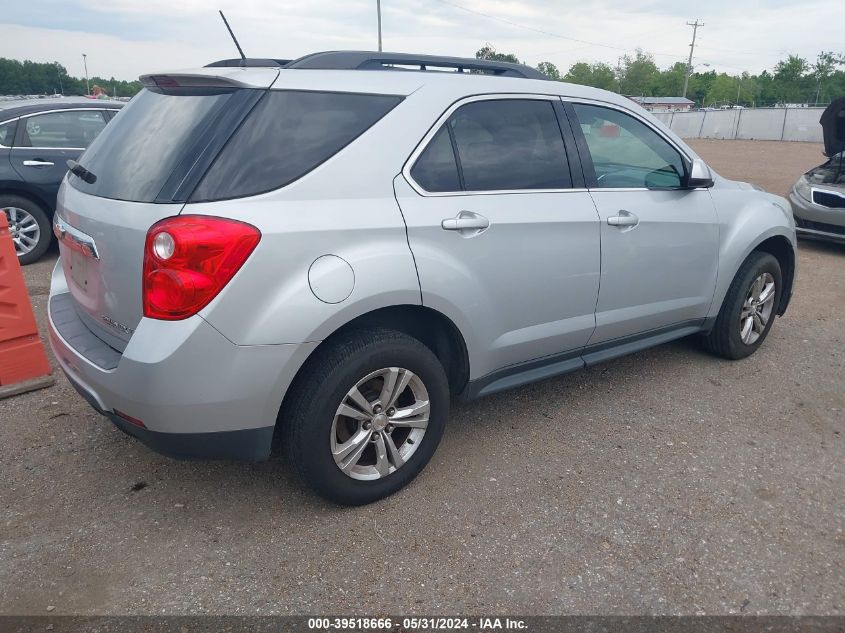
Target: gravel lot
point(665, 482)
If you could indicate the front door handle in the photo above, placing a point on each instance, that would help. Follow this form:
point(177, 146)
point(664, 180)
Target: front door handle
point(625, 218)
point(37, 163)
point(467, 223)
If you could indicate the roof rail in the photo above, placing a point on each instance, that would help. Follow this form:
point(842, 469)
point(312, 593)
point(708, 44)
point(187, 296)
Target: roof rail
point(249, 62)
point(368, 60)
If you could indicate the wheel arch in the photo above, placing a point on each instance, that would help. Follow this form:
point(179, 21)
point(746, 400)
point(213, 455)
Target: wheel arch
point(431, 327)
point(17, 189)
point(781, 248)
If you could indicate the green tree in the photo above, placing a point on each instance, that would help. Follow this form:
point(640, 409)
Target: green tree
point(597, 75)
point(789, 85)
point(488, 52)
point(638, 74)
point(549, 70)
point(670, 82)
point(823, 70)
point(35, 78)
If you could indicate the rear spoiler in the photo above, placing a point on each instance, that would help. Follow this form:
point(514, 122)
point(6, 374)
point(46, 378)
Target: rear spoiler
point(203, 81)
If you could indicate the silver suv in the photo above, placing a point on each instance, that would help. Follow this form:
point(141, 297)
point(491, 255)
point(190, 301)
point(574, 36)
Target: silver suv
point(337, 246)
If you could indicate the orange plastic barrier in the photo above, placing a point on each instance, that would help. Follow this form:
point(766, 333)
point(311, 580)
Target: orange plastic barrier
point(22, 355)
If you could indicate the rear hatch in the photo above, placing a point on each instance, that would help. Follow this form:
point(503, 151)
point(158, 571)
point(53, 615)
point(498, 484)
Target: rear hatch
point(140, 169)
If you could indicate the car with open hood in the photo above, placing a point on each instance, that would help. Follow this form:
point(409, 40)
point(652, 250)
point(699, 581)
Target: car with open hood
point(818, 197)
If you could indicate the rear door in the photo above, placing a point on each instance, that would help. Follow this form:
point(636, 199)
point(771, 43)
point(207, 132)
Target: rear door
point(659, 239)
point(505, 237)
point(47, 140)
point(144, 165)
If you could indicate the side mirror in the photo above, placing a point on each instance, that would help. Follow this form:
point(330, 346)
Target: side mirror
point(699, 175)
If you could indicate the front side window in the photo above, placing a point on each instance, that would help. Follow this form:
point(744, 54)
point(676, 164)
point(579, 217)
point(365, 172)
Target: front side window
point(69, 129)
point(507, 144)
point(626, 152)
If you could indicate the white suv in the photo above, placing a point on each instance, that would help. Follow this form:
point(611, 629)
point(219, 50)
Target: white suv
point(338, 245)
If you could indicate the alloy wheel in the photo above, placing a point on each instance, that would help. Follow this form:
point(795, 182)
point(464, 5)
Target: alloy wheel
point(24, 229)
point(380, 423)
point(757, 308)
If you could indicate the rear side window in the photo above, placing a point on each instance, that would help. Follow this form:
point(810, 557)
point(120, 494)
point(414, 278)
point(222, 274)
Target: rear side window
point(508, 144)
point(287, 135)
point(72, 129)
point(436, 169)
point(7, 133)
point(147, 142)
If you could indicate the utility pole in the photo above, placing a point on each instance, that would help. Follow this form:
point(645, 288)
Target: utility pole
point(378, 11)
point(85, 61)
point(694, 26)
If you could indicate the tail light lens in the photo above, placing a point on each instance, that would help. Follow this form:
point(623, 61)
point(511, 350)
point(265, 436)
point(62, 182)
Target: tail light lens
point(188, 260)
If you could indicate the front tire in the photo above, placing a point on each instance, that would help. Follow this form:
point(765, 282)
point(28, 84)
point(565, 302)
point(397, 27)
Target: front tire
point(29, 225)
point(749, 308)
point(365, 415)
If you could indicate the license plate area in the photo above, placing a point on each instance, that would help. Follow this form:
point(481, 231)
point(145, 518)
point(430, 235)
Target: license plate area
point(79, 265)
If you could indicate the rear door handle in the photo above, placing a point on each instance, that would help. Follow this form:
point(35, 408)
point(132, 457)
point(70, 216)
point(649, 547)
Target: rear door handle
point(38, 163)
point(467, 223)
point(625, 218)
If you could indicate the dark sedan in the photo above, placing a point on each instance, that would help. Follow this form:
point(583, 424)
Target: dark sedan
point(37, 137)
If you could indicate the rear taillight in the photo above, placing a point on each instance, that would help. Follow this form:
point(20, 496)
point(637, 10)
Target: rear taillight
point(188, 259)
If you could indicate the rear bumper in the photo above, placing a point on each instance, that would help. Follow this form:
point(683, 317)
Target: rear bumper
point(197, 394)
point(242, 445)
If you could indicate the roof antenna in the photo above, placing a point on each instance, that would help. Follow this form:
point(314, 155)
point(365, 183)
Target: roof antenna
point(234, 39)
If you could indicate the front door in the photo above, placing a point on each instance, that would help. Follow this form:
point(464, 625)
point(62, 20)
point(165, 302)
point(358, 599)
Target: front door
point(659, 240)
point(503, 244)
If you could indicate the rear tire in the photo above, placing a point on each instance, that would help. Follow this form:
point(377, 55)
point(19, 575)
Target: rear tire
point(32, 224)
point(744, 320)
point(347, 448)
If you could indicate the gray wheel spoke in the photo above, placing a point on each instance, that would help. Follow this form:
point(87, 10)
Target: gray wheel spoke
point(415, 416)
point(393, 452)
point(757, 288)
point(352, 412)
point(382, 460)
point(390, 378)
point(357, 397)
point(768, 293)
point(747, 327)
point(759, 324)
point(349, 453)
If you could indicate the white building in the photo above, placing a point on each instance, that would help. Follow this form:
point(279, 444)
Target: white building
point(665, 104)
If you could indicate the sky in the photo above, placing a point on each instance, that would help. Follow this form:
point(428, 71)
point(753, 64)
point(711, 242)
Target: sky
point(126, 38)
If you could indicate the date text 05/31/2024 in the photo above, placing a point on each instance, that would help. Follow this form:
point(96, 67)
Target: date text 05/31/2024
point(417, 624)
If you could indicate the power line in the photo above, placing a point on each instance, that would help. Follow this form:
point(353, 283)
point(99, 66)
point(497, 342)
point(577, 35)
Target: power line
point(543, 32)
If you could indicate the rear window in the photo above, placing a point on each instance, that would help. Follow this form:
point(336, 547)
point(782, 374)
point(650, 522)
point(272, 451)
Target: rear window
point(149, 139)
point(287, 135)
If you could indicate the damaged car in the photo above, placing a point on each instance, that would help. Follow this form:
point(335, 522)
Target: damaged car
point(818, 198)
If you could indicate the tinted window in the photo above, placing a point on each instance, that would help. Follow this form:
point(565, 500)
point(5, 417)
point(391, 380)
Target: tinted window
point(626, 152)
point(288, 134)
point(148, 139)
point(510, 144)
point(7, 133)
point(75, 129)
point(436, 169)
